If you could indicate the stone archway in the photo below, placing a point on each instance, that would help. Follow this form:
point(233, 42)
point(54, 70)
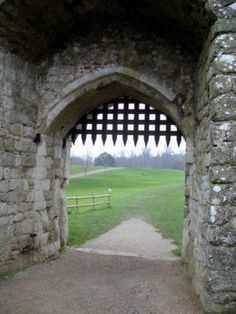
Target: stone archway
point(41, 101)
point(81, 97)
point(93, 90)
point(100, 86)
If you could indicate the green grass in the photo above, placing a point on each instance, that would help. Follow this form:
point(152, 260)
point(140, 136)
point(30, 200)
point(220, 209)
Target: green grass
point(155, 195)
point(77, 169)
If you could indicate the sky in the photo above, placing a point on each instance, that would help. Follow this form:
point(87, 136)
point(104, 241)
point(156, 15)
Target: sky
point(80, 150)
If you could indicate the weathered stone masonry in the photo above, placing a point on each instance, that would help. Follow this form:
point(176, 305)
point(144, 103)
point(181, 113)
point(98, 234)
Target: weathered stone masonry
point(49, 96)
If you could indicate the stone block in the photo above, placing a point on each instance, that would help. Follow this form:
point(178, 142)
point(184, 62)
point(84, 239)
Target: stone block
point(4, 185)
point(53, 248)
point(24, 227)
point(8, 160)
point(42, 185)
point(223, 155)
point(222, 174)
point(26, 206)
point(9, 145)
point(222, 64)
point(14, 184)
point(16, 196)
point(223, 132)
point(22, 241)
point(12, 209)
point(29, 161)
point(222, 84)
point(6, 173)
point(29, 132)
point(44, 162)
point(41, 240)
point(18, 218)
point(5, 248)
point(42, 149)
point(222, 193)
point(4, 221)
point(223, 26)
point(39, 173)
point(222, 108)
point(40, 205)
point(223, 43)
point(3, 209)
point(39, 195)
point(24, 145)
point(17, 129)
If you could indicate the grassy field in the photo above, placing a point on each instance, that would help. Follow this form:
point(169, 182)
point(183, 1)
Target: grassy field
point(155, 195)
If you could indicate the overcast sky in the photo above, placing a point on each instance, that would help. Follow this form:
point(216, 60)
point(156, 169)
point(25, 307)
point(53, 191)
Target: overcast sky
point(78, 149)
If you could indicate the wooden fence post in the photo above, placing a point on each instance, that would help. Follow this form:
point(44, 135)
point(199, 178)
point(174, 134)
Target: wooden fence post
point(77, 203)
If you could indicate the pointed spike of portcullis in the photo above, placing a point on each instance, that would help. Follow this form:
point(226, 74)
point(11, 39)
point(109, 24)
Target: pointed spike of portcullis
point(94, 136)
point(146, 139)
point(135, 139)
point(83, 138)
point(179, 139)
point(125, 138)
point(114, 138)
point(104, 137)
point(157, 139)
point(167, 140)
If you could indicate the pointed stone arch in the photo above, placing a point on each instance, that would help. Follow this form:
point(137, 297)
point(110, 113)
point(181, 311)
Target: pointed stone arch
point(92, 90)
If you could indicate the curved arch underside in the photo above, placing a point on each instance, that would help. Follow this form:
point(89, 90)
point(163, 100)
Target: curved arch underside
point(95, 89)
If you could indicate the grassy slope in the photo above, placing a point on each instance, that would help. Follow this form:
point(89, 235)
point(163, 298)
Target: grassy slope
point(155, 195)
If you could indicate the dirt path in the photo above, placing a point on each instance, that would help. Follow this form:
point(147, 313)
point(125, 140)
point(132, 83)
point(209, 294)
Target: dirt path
point(89, 173)
point(133, 237)
point(86, 283)
point(95, 284)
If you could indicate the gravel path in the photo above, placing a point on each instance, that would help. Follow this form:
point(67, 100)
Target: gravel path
point(89, 173)
point(83, 283)
point(133, 237)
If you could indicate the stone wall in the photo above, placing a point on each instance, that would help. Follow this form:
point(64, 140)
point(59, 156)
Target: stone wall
point(44, 101)
point(153, 61)
point(221, 228)
point(209, 244)
point(18, 116)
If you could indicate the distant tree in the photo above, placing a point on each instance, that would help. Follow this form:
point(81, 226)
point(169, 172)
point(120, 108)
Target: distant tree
point(87, 161)
point(84, 161)
point(104, 159)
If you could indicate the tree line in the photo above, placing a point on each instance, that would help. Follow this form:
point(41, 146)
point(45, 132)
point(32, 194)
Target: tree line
point(168, 159)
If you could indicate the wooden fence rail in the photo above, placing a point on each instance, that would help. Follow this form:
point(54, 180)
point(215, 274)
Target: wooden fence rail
point(93, 202)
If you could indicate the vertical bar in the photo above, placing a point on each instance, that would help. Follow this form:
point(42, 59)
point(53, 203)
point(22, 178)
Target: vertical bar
point(168, 132)
point(125, 121)
point(115, 122)
point(77, 203)
point(146, 124)
point(104, 123)
point(93, 201)
point(136, 121)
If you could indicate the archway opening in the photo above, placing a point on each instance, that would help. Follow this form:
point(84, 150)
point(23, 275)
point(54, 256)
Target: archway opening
point(157, 194)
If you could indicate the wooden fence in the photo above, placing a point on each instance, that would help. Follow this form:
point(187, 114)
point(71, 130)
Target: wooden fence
point(106, 200)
